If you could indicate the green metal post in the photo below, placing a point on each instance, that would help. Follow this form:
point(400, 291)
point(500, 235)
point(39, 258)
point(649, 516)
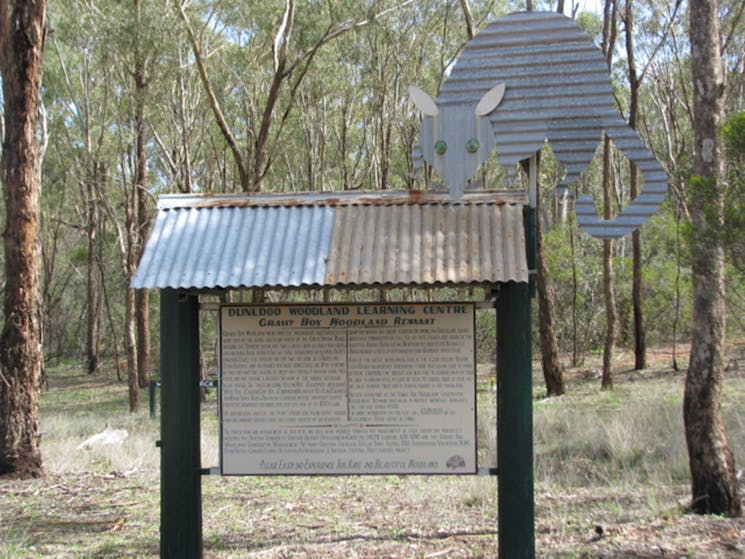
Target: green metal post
point(153, 397)
point(529, 219)
point(514, 423)
point(180, 462)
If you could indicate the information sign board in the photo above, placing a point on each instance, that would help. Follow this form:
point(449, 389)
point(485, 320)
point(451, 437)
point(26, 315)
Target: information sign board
point(348, 389)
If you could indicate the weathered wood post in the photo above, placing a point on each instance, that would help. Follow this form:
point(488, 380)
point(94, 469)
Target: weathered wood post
point(180, 461)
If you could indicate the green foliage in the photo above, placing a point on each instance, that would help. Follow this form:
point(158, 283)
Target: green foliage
point(666, 279)
point(349, 125)
point(79, 256)
point(486, 336)
point(591, 23)
point(575, 265)
point(578, 281)
point(733, 134)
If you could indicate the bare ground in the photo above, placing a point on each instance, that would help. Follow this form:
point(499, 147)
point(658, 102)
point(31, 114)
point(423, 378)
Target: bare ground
point(116, 513)
point(366, 517)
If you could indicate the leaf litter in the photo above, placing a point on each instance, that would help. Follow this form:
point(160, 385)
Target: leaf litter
point(114, 515)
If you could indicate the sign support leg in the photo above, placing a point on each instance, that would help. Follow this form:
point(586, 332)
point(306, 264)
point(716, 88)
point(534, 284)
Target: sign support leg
point(180, 460)
point(514, 423)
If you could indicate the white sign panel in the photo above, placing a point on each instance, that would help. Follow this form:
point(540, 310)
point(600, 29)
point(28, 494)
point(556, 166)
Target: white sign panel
point(348, 389)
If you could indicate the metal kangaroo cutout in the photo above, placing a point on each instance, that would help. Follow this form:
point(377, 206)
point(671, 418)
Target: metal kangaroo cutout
point(525, 79)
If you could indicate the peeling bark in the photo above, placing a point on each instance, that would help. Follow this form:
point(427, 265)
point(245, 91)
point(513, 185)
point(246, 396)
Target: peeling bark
point(21, 47)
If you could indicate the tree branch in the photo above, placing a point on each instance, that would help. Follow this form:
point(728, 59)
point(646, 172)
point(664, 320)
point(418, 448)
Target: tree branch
point(470, 31)
point(662, 41)
point(733, 28)
point(332, 34)
point(214, 103)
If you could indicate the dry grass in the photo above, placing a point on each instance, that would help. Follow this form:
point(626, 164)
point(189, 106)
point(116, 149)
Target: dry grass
point(611, 481)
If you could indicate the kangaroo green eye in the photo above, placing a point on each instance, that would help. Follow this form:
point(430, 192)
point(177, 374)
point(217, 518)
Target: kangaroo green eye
point(472, 145)
point(441, 147)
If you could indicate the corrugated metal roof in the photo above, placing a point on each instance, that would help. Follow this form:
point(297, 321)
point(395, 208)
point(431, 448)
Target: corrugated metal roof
point(334, 239)
point(557, 89)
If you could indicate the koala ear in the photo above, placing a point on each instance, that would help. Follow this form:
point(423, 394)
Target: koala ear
point(490, 100)
point(424, 102)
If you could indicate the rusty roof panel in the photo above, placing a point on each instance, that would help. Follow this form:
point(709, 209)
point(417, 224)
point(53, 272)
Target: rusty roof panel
point(427, 244)
point(232, 241)
point(347, 197)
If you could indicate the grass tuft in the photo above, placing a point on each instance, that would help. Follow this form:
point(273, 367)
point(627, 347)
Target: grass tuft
point(610, 462)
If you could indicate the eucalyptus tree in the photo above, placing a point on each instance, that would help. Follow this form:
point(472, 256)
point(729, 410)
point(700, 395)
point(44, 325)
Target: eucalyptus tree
point(181, 133)
point(640, 340)
point(665, 120)
point(140, 33)
point(651, 34)
point(22, 33)
point(416, 48)
point(553, 374)
point(188, 152)
point(285, 56)
point(610, 19)
point(104, 56)
point(143, 52)
point(714, 485)
point(65, 235)
point(80, 100)
point(332, 86)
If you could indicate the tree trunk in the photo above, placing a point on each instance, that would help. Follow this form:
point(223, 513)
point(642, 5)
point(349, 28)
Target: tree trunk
point(261, 148)
point(240, 161)
point(608, 284)
point(21, 47)
point(93, 287)
point(109, 316)
point(640, 342)
point(141, 302)
point(640, 335)
point(575, 298)
point(130, 312)
point(714, 486)
point(610, 12)
point(142, 327)
point(553, 374)
point(130, 340)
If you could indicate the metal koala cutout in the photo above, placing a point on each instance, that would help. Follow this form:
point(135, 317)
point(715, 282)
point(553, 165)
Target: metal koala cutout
point(545, 80)
point(460, 138)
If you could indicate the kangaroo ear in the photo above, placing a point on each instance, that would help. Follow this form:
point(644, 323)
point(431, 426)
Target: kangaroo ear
point(490, 100)
point(424, 102)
